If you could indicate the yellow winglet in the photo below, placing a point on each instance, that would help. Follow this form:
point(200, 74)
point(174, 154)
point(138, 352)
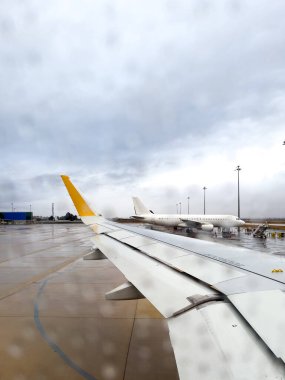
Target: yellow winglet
point(81, 206)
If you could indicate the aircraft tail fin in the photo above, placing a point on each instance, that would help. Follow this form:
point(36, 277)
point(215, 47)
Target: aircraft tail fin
point(79, 202)
point(140, 207)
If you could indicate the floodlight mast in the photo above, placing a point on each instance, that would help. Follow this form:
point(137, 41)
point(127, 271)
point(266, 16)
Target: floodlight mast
point(238, 169)
point(204, 188)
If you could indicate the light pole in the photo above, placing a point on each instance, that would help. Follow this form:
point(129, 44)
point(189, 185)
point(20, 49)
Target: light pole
point(188, 204)
point(30, 208)
point(238, 169)
point(12, 204)
point(180, 207)
point(204, 188)
point(176, 208)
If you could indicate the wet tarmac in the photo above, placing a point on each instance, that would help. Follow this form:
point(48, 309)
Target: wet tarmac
point(55, 321)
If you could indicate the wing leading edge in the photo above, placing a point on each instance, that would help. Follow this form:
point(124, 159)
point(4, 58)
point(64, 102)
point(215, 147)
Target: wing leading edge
point(211, 303)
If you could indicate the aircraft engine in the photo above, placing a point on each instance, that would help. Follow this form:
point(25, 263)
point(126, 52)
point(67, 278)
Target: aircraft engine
point(207, 227)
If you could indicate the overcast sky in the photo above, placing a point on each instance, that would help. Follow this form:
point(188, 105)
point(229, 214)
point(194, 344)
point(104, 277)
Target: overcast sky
point(155, 99)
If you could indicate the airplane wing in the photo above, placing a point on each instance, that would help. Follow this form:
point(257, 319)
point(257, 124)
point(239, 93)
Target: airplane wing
point(192, 223)
point(224, 305)
point(137, 217)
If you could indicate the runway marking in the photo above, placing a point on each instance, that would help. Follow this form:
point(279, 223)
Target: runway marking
point(130, 341)
point(39, 276)
point(51, 343)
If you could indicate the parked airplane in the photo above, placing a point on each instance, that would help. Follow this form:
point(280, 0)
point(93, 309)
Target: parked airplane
point(224, 305)
point(204, 222)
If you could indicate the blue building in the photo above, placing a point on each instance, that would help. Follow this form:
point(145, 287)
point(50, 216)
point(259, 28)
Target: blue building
point(16, 216)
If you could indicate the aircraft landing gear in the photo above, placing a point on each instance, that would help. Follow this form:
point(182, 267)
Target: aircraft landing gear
point(226, 233)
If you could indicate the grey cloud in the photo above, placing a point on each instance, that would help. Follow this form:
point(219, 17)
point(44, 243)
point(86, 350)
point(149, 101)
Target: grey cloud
point(29, 189)
point(105, 89)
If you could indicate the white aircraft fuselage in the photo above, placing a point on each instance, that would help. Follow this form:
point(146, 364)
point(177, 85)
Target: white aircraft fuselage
point(204, 222)
point(207, 222)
